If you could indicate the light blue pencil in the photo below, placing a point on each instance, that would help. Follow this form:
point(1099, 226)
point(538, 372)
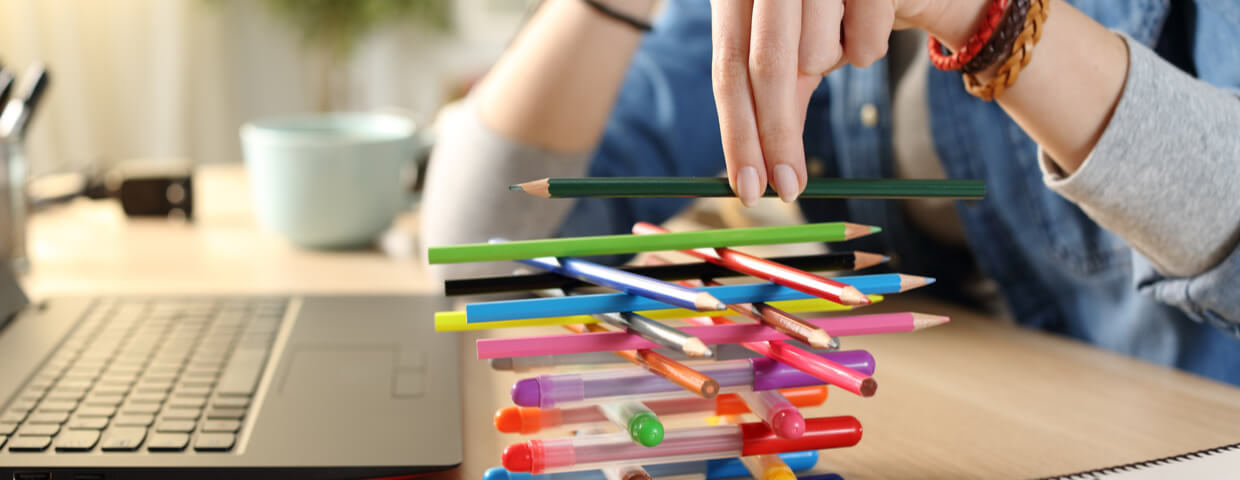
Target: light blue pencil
point(631, 283)
point(622, 302)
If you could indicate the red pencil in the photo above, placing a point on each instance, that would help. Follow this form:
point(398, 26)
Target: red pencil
point(767, 270)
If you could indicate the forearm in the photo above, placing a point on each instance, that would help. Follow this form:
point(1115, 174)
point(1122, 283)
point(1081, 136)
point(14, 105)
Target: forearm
point(555, 86)
point(1065, 96)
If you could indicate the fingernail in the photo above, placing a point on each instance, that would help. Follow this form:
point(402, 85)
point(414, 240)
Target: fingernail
point(786, 183)
point(747, 185)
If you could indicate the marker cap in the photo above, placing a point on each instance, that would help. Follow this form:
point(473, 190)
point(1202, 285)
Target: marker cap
point(646, 429)
point(820, 433)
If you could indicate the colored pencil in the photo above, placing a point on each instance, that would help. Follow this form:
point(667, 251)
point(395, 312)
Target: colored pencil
point(631, 283)
point(620, 302)
point(768, 270)
point(648, 329)
point(785, 323)
point(709, 334)
point(820, 367)
point(678, 373)
point(719, 187)
point(455, 321)
point(612, 244)
point(678, 271)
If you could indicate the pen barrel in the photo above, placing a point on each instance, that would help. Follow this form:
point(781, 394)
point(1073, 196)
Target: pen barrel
point(820, 433)
point(681, 445)
point(777, 412)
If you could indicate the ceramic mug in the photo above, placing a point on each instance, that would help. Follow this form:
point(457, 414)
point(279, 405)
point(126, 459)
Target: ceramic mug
point(329, 180)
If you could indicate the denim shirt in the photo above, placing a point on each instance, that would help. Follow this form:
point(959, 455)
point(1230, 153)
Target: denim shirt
point(1057, 269)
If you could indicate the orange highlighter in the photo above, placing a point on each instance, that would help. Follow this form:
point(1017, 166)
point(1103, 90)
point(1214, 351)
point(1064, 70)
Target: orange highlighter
point(527, 420)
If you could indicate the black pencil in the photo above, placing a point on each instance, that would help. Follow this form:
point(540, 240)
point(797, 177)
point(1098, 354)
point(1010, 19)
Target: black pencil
point(680, 271)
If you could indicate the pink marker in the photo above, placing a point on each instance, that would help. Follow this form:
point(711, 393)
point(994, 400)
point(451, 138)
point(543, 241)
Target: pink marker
point(780, 414)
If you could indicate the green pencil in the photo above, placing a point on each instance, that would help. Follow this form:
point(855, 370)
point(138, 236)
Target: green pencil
point(613, 244)
point(718, 187)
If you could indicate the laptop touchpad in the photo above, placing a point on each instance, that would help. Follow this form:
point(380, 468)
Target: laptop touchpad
point(340, 370)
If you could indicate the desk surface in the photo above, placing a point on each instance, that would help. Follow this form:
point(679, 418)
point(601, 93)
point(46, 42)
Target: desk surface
point(974, 398)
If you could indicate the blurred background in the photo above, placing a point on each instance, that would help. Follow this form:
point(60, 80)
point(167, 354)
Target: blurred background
point(162, 79)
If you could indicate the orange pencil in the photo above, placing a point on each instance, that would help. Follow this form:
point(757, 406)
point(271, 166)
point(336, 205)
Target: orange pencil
point(675, 372)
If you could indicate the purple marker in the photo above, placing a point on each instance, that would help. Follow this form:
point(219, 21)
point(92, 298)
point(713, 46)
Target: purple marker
point(552, 390)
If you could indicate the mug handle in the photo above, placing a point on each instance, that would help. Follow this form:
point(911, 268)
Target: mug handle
point(423, 140)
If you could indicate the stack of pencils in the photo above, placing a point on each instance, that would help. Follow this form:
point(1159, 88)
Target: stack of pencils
point(746, 354)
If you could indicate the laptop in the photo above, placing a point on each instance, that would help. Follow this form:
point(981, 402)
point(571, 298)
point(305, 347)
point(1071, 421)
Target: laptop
point(305, 387)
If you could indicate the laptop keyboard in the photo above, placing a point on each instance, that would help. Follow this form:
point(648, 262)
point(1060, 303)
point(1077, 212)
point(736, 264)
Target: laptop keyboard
point(171, 375)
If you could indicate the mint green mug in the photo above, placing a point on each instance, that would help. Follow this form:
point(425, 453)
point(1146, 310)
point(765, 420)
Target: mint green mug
point(329, 181)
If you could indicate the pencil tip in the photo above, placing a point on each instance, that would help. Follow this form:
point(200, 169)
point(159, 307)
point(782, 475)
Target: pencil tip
point(930, 280)
point(874, 229)
point(886, 258)
point(925, 320)
point(516, 188)
point(862, 260)
point(851, 296)
point(821, 339)
point(706, 302)
point(695, 348)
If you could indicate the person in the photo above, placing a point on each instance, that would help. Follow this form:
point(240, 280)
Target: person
point(1111, 162)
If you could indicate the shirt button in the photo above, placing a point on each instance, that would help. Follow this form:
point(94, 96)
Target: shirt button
point(869, 115)
point(815, 166)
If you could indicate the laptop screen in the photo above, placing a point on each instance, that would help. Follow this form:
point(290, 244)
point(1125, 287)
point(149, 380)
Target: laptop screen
point(12, 298)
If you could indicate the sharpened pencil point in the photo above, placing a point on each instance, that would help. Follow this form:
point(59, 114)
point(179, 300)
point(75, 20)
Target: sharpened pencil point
point(851, 296)
point(695, 348)
point(819, 339)
point(863, 260)
point(516, 188)
point(925, 320)
point(706, 302)
point(909, 282)
point(930, 280)
point(874, 229)
point(834, 344)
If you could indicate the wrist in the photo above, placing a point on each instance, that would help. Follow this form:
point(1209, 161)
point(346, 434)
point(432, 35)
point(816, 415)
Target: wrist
point(953, 22)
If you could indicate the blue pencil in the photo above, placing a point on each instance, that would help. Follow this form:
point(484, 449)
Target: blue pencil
point(622, 302)
point(630, 283)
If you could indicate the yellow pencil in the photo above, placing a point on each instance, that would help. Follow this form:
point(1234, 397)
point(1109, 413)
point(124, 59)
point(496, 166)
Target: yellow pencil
point(455, 321)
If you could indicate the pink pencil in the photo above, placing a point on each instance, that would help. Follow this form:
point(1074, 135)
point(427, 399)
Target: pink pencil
point(710, 335)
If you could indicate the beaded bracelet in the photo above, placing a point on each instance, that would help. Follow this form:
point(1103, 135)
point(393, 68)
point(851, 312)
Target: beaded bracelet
point(1000, 45)
point(966, 53)
point(1022, 53)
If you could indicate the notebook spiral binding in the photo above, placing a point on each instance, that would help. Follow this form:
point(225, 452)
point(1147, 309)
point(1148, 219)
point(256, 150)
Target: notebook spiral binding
point(1146, 464)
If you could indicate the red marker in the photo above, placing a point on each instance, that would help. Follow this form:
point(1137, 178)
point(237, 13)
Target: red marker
point(617, 449)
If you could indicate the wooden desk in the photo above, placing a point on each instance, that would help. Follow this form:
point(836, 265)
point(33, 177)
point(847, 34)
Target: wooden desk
point(974, 398)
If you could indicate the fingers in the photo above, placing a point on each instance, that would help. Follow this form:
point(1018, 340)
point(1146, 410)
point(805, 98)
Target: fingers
point(773, 78)
point(867, 24)
point(738, 128)
point(820, 49)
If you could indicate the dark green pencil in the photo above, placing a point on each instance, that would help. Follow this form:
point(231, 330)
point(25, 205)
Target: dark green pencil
point(718, 187)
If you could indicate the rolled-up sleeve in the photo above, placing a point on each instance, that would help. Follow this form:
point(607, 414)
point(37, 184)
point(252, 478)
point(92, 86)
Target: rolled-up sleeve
point(1165, 176)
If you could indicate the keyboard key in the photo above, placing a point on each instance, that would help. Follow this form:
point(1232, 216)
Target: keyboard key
point(184, 389)
point(77, 441)
point(161, 386)
point(167, 442)
point(231, 402)
point(70, 394)
point(7, 428)
point(225, 413)
point(23, 404)
point(242, 372)
point(226, 426)
point(122, 439)
point(187, 401)
point(29, 444)
point(96, 411)
point(175, 426)
point(12, 416)
point(148, 397)
point(96, 399)
point(182, 413)
point(47, 429)
point(110, 389)
point(129, 407)
point(134, 420)
point(87, 423)
point(48, 417)
point(214, 442)
point(57, 406)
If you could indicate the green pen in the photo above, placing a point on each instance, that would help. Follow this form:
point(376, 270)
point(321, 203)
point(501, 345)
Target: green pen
point(641, 423)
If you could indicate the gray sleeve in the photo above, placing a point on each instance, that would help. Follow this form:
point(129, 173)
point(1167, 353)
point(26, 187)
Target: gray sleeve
point(466, 197)
point(1165, 174)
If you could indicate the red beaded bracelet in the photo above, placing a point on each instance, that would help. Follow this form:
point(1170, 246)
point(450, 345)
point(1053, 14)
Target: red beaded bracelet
point(994, 13)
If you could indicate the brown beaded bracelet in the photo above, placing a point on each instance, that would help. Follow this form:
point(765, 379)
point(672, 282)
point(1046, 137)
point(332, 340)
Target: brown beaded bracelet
point(1022, 54)
point(1000, 43)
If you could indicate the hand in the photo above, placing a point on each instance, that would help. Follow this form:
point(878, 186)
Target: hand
point(770, 55)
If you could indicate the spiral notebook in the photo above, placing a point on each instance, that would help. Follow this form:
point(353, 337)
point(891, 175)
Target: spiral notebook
point(1218, 462)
